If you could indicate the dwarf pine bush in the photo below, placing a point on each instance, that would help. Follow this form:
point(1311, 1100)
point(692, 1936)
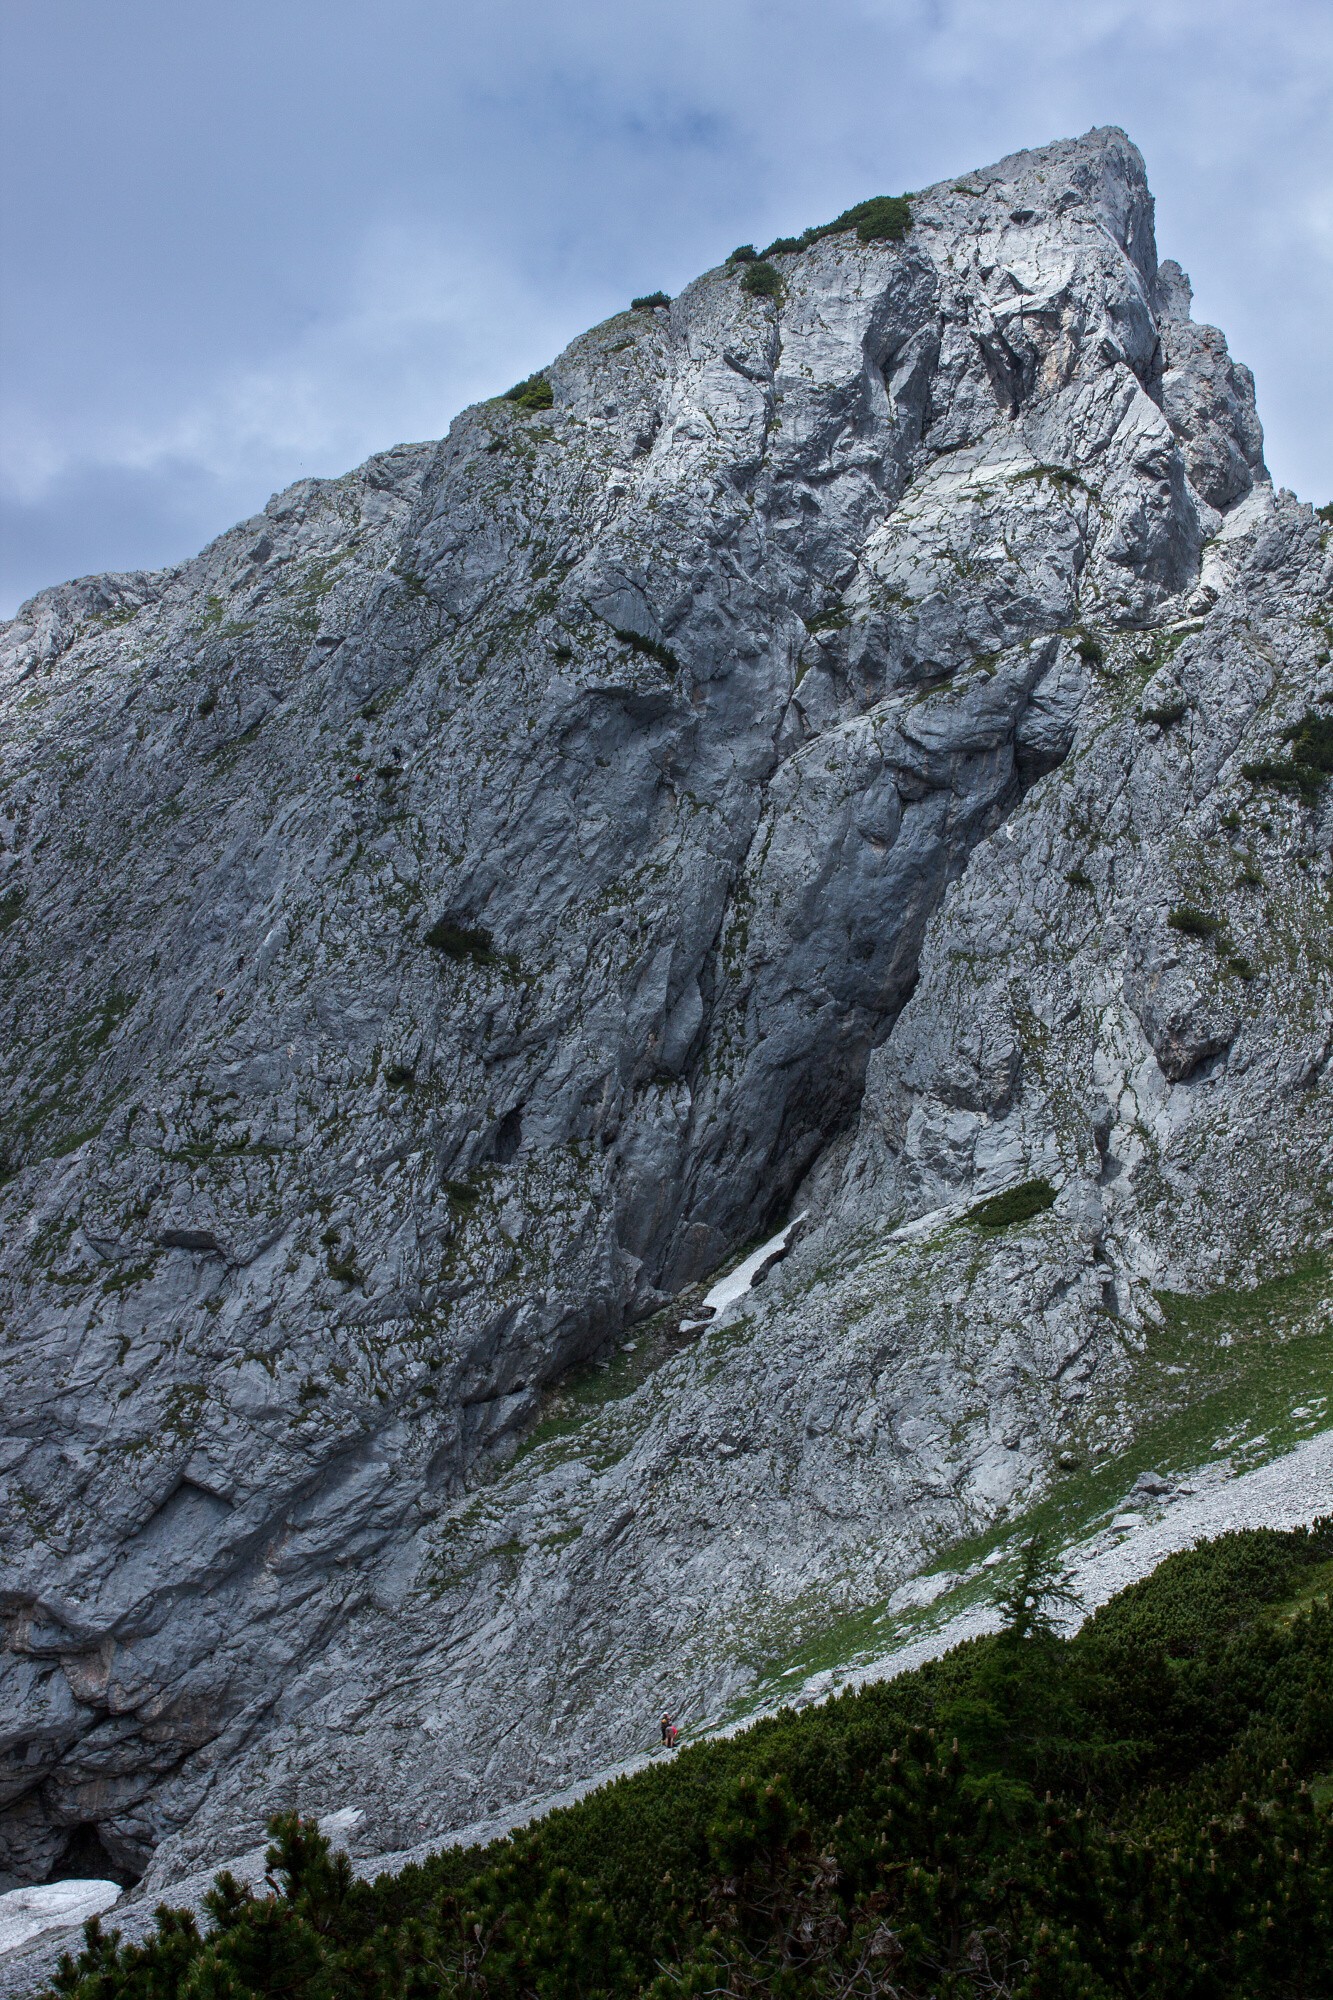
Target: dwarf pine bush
point(761, 280)
point(1139, 1812)
point(1015, 1204)
point(534, 393)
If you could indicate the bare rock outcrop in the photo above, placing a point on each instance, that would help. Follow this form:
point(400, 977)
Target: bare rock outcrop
point(446, 918)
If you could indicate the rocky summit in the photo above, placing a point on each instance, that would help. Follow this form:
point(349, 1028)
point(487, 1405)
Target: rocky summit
point(850, 742)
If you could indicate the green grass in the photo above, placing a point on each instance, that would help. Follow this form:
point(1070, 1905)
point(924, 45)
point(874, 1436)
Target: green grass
point(835, 620)
point(652, 649)
point(1236, 1375)
point(1054, 475)
point(1223, 1377)
point(589, 1390)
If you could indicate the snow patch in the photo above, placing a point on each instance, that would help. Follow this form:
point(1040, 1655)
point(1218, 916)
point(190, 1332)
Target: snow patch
point(738, 1282)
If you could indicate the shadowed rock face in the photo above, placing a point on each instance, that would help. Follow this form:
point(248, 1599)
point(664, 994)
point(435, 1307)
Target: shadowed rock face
point(451, 913)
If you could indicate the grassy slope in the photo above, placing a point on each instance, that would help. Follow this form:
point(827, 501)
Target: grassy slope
point(1236, 1376)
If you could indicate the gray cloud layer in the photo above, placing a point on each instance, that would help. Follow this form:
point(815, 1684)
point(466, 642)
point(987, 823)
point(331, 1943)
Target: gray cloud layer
point(247, 242)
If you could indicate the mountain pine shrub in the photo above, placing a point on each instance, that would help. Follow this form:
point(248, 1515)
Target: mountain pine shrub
point(761, 280)
point(1015, 1204)
point(462, 943)
point(1167, 713)
point(885, 218)
point(535, 393)
point(1194, 923)
point(1310, 762)
point(1139, 1812)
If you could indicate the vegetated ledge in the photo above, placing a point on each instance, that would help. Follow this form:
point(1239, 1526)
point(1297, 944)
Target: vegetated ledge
point(468, 945)
point(1015, 1204)
point(1028, 1814)
point(1309, 765)
point(652, 649)
point(884, 218)
point(533, 393)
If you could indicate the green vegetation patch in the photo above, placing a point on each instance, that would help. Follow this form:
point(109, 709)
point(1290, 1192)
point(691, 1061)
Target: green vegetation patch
point(653, 649)
point(55, 1108)
point(1310, 762)
point(1029, 1816)
point(588, 1390)
point(534, 393)
point(1016, 1204)
point(885, 218)
point(1054, 475)
point(1194, 923)
point(649, 301)
point(343, 1267)
point(761, 280)
point(1165, 716)
point(462, 1196)
point(1237, 1376)
point(466, 944)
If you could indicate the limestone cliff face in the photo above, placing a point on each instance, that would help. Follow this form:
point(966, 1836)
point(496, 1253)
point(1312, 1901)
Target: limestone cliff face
point(448, 916)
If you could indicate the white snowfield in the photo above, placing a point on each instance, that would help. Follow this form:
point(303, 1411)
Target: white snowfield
point(1288, 1492)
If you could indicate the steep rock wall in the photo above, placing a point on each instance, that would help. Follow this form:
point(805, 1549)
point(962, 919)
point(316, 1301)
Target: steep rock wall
point(448, 914)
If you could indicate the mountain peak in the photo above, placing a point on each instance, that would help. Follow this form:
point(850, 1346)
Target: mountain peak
point(791, 754)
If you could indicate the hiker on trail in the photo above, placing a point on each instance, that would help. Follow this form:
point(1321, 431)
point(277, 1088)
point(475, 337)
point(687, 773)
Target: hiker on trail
point(670, 1733)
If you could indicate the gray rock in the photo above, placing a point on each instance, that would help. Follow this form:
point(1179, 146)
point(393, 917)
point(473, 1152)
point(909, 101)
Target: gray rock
point(455, 913)
point(1183, 1024)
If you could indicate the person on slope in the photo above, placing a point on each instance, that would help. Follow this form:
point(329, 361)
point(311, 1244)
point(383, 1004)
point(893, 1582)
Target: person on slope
point(670, 1733)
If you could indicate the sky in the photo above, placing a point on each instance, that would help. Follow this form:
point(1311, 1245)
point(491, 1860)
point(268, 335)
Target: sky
point(250, 241)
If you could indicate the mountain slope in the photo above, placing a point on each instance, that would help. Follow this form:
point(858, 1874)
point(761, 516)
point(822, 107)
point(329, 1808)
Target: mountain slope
point(471, 898)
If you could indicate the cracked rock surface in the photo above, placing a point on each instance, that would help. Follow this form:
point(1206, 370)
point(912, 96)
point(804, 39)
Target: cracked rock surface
point(454, 914)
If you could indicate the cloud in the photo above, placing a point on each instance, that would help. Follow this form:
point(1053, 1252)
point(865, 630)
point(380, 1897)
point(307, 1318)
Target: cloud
point(270, 240)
